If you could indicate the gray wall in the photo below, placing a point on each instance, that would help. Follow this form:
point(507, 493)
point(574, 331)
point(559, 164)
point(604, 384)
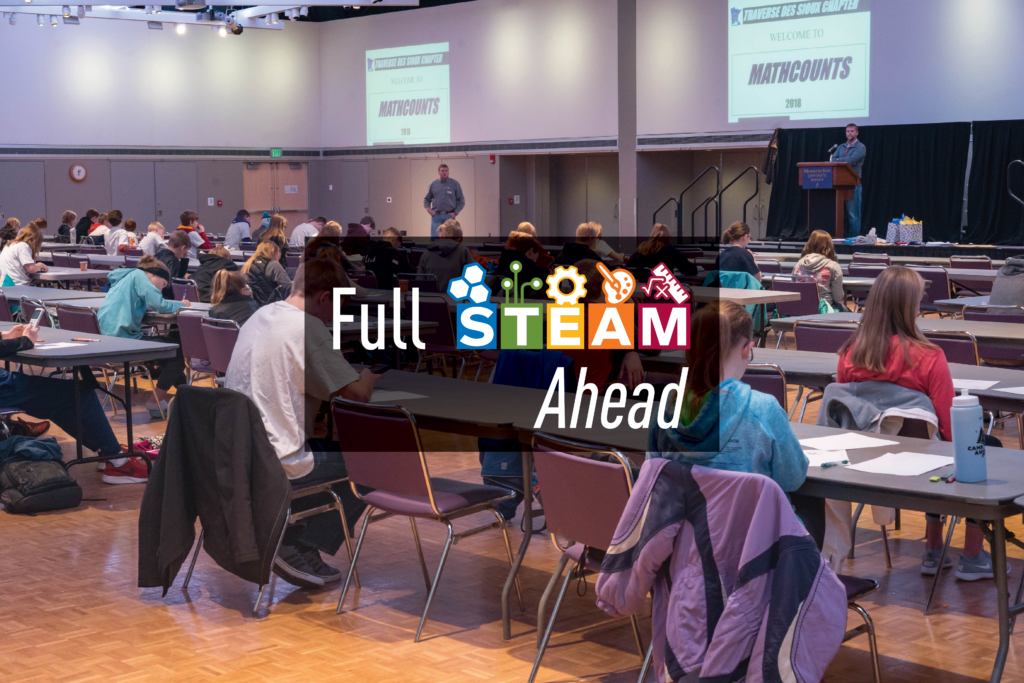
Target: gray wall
point(584, 187)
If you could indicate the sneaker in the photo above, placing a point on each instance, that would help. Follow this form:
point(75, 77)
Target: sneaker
point(154, 409)
point(325, 571)
point(291, 566)
point(132, 472)
point(101, 465)
point(930, 562)
point(976, 568)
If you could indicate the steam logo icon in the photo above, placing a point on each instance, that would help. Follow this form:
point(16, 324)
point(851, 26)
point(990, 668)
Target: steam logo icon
point(735, 13)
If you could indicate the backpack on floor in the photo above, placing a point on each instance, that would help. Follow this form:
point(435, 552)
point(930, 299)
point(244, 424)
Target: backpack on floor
point(29, 486)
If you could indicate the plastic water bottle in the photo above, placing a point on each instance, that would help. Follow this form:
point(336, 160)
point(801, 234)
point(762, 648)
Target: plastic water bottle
point(968, 438)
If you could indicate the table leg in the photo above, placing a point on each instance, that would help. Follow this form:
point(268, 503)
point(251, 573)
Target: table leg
point(78, 413)
point(506, 619)
point(1002, 597)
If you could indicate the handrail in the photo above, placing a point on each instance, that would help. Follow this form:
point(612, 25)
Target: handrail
point(718, 215)
point(679, 216)
point(1008, 188)
point(757, 188)
point(654, 218)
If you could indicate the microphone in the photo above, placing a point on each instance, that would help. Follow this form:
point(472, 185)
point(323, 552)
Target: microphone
point(833, 148)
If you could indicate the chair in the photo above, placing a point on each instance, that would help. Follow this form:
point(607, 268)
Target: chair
point(83, 319)
point(808, 303)
point(440, 342)
point(366, 280)
point(981, 286)
point(583, 500)
point(1013, 315)
point(5, 309)
point(77, 260)
point(935, 289)
point(293, 260)
point(767, 378)
point(184, 289)
point(29, 308)
point(90, 249)
point(193, 344)
point(861, 270)
point(857, 588)
point(383, 451)
point(61, 260)
point(872, 258)
point(820, 336)
point(220, 337)
point(769, 265)
point(132, 261)
point(959, 347)
point(426, 282)
point(134, 252)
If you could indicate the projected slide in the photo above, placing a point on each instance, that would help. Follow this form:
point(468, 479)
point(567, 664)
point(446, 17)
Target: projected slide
point(407, 95)
point(804, 60)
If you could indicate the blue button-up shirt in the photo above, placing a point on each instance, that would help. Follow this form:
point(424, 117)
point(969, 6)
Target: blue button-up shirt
point(852, 154)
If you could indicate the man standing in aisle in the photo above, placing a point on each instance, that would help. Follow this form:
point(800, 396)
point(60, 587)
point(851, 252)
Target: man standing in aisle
point(853, 153)
point(444, 200)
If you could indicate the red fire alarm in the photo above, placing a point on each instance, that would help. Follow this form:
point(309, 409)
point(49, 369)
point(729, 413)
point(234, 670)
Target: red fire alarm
point(220, 203)
point(510, 201)
point(492, 158)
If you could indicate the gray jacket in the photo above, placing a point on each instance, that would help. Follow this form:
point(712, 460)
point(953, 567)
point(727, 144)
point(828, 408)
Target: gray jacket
point(875, 406)
point(444, 260)
point(853, 155)
point(445, 197)
point(827, 274)
point(1008, 288)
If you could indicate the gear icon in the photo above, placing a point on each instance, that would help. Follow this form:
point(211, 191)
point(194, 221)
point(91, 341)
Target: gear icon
point(579, 282)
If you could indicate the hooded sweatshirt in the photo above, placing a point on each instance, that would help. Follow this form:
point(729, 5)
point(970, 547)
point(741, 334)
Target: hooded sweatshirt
point(386, 262)
point(131, 293)
point(1008, 288)
point(740, 430)
point(574, 252)
point(530, 270)
point(827, 274)
point(209, 266)
point(237, 231)
point(444, 259)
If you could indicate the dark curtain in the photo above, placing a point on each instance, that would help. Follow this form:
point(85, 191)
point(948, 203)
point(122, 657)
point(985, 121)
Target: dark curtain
point(993, 217)
point(918, 170)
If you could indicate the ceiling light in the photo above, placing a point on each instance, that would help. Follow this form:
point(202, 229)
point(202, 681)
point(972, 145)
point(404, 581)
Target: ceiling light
point(180, 28)
point(273, 18)
point(53, 20)
point(303, 11)
point(41, 20)
point(266, 20)
point(81, 11)
point(149, 9)
point(155, 25)
point(157, 9)
point(66, 11)
point(13, 20)
point(223, 32)
point(74, 21)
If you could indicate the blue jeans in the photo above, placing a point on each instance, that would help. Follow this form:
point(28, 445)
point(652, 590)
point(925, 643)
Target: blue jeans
point(435, 222)
point(853, 214)
point(324, 531)
point(53, 399)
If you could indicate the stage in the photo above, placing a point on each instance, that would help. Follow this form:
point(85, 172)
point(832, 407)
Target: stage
point(936, 251)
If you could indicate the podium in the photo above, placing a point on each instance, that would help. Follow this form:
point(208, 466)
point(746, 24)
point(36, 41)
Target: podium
point(828, 184)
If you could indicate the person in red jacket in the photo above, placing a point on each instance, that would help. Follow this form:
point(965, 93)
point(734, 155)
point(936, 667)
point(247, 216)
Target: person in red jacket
point(196, 233)
point(889, 347)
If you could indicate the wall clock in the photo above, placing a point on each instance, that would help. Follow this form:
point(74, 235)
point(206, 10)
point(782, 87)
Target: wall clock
point(77, 172)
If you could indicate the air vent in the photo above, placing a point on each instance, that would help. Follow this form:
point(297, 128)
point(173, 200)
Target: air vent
point(295, 167)
point(528, 146)
point(252, 166)
point(692, 140)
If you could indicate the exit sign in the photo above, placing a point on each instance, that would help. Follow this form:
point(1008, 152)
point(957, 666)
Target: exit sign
point(275, 152)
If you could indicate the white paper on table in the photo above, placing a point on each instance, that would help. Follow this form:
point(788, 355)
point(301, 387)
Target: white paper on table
point(903, 464)
point(1019, 391)
point(979, 384)
point(56, 345)
point(392, 396)
point(849, 441)
point(819, 458)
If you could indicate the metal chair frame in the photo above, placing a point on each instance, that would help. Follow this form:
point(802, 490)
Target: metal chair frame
point(443, 518)
point(867, 627)
point(815, 394)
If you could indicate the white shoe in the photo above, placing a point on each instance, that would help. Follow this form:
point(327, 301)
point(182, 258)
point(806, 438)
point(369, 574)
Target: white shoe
point(154, 409)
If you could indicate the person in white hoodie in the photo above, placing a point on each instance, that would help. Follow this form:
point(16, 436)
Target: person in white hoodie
point(116, 237)
point(818, 260)
point(154, 239)
point(238, 230)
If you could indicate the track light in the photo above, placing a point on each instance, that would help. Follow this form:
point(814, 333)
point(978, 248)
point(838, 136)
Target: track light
point(13, 20)
point(273, 18)
point(157, 9)
point(81, 12)
point(53, 20)
point(266, 20)
point(41, 21)
point(155, 25)
point(149, 9)
point(180, 28)
point(222, 32)
point(303, 11)
point(66, 11)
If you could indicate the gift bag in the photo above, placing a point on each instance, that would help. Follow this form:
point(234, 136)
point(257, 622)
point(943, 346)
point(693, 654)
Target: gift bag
point(905, 229)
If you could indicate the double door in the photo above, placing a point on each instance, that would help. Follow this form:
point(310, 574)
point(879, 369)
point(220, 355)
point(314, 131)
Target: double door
point(277, 187)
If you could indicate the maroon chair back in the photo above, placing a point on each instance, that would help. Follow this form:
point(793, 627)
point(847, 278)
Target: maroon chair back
point(184, 289)
point(441, 338)
point(971, 262)
point(861, 270)
point(220, 337)
point(823, 337)
point(5, 309)
point(62, 260)
point(78, 319)
point(767, 378)
point(872, 258)
point(193, 341)
point(132, 261)
point(583, 498)
point(769, 266)
point(134, 252)
point(805, 287)
point(424, 282)
point(959, 347)
point(293, 260)
point(29, 308)
point(936, 287)
point(1013, 315)
point(76, 260)
point(367, 280)
point(91, 249)
point(382, 447)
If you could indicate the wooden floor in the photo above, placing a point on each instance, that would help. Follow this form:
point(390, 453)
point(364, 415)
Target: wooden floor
point(70, 610)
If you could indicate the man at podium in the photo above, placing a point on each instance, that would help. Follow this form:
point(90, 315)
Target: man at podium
point(853, 153)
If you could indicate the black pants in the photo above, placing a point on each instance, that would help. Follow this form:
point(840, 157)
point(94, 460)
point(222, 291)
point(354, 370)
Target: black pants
point(171, 371)
point(324, 531)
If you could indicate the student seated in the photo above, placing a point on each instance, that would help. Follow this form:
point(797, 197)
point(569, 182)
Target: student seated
point(658, 249)
point(386, 259)
point(154, 241)
point(195, 232)
point(544, 259)
point(174, 256)
point(818, 260)
point(582, 249)
point(603, 249)
point(18, 260)
point(736, 257)
point(116, 237)
point(266, 276)
point(271, 374)
point(99, 230)
point(238, 230)
point(231, 297)
point(446, 255)
point(67, 226)
point(211, 263)
point(9, 231)
point(1008, 288)
point(526, 250)
point(724, 423)
point(132, 292)
point(83, 225)
point(888, 346)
